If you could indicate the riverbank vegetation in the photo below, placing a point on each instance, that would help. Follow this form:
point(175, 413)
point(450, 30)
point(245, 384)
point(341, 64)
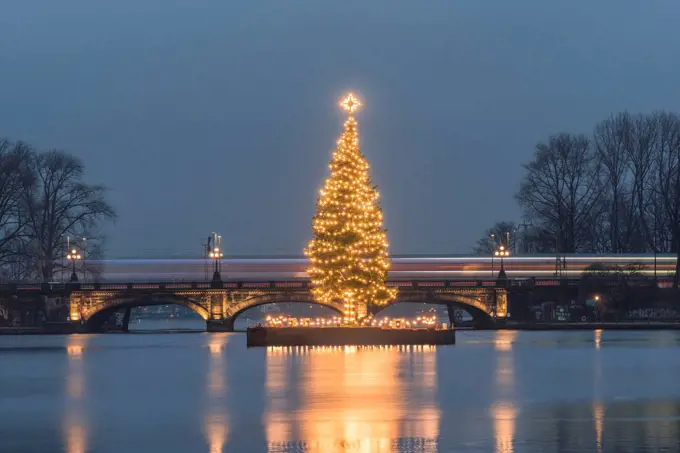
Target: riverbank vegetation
point(616, 190)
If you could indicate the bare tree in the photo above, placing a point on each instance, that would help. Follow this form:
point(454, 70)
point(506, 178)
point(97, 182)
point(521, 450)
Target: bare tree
point(625, 146)
point(499, 234)
point(612, 138)
point(14, 159)
point(561, 190)
point(640, 151)
point(667, 156)
point(58, 204)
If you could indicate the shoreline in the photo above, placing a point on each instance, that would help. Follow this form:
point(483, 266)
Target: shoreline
point(517, 326)
point(561, 326)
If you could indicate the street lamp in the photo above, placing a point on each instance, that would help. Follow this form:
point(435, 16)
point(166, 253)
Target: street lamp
point(502, 252)
point(493, 245)
point(73, 256)
point(215, 252)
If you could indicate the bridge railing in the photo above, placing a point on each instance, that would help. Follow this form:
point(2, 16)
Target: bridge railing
point(46, 288)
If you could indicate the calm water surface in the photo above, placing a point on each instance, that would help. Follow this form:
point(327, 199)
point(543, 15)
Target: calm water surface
point(199, 392)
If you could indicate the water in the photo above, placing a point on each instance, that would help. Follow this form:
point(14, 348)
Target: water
point(198, 392)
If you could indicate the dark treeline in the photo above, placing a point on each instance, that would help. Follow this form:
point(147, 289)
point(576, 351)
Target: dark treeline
point(44, 201)
point(615, 191)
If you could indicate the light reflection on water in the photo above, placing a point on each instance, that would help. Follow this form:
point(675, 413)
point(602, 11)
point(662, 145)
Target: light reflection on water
point(75, 420)
point(216, 421)
point(352, 399)
point(502, 392)
point(503, 410)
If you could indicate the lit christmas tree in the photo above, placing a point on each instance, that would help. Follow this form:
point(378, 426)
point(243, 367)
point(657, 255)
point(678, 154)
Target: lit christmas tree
point(348, 254)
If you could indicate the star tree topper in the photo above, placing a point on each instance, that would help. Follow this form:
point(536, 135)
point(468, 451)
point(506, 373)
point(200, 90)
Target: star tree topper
point(350, 103)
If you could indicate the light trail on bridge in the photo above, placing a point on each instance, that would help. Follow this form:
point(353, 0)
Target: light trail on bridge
point(424, 268)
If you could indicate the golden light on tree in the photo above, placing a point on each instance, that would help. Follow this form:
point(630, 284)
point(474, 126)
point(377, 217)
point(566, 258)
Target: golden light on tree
point(348, 254)
point(350, 103)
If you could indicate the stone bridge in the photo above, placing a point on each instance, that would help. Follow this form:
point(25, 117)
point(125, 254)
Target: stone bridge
point(220, 308)
point(92, 305)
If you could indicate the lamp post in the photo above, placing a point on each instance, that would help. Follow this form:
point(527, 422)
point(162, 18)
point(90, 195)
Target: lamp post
point(502, 252)
point(73, 256)
point(84, 265)
point(493, 246)
point(215, 252)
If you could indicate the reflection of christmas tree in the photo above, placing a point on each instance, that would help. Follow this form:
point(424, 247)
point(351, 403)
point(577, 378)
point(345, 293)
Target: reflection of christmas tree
point(349, 250)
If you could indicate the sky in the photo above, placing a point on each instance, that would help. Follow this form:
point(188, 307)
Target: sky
point(206, 115)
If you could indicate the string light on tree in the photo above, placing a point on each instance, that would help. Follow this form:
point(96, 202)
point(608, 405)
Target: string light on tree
point(348, 253)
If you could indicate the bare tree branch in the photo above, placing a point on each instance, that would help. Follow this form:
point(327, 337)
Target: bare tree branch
point(561, 190)
point(59, 204)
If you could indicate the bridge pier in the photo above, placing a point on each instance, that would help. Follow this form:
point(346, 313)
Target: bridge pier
point(126, 319)
point(452, 315)
point(223, 325)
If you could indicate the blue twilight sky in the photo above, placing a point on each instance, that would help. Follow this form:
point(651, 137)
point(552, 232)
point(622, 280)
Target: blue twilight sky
point(209, 115)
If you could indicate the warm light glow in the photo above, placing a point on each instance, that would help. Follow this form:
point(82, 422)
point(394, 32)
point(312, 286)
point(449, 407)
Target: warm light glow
point(216, 431)
point(504, 416)
point(75, 428)
point(74, 312)
point(76, 435)
point(75, 350)
point(216, 253)
point(505, 339)
point(216, 345)
point(598, 418)
point(75, 381)
point(501, 304)
point(74, 255)
point(288, 321)
point(351, 398)
point(505, 366)
point(502, 251)
point(278, 426)
point(350, 103)
point(348, 254)
point(215, 422)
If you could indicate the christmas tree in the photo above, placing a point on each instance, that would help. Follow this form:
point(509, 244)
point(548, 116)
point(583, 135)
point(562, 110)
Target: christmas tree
point(348, 254)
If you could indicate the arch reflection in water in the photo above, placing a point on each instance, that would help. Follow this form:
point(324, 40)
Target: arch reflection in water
point(75, 426)
point(216, 422)
point(364, 399)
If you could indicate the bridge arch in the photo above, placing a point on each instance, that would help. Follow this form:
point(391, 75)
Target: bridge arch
point(474, 305)
point(96, 314)
point(235, 310)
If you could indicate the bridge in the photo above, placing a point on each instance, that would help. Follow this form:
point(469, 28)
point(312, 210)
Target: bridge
point(88, 306)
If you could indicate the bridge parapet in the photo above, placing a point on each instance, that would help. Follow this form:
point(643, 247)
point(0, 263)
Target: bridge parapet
point(89, 303)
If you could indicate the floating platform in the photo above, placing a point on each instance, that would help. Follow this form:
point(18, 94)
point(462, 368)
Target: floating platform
point(346, 336)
